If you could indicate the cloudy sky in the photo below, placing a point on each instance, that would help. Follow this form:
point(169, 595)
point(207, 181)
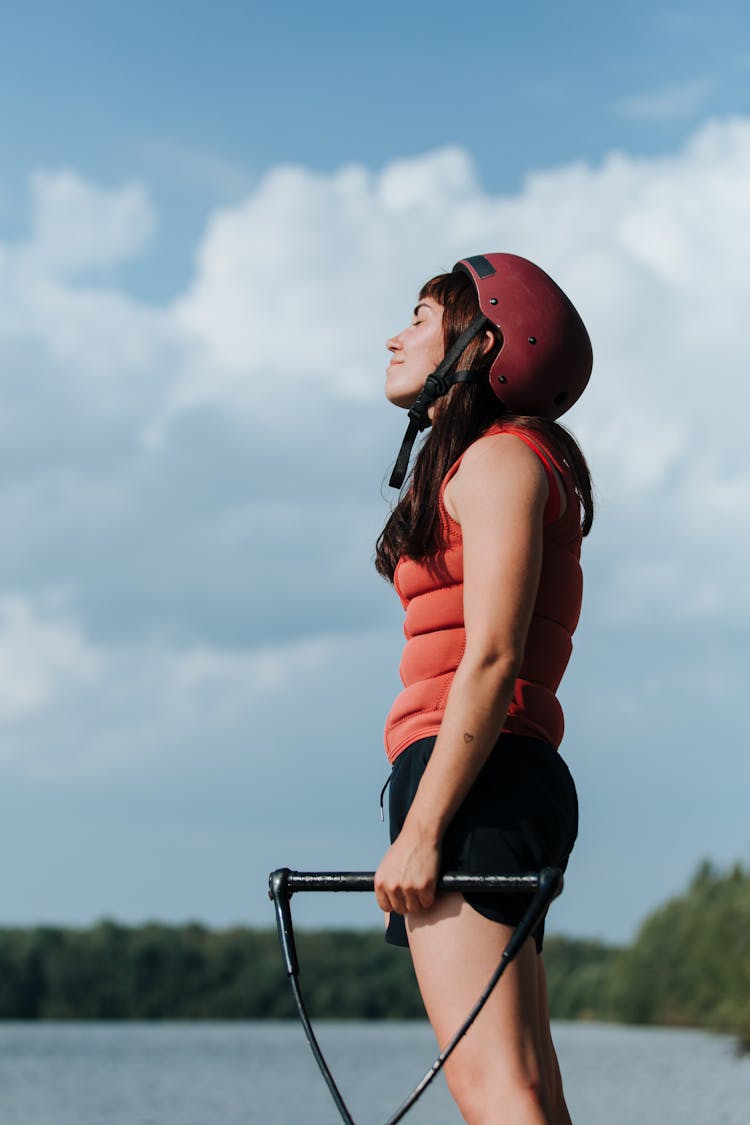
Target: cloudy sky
point(211, 218)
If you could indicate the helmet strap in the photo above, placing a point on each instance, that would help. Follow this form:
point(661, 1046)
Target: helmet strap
point(437, 384)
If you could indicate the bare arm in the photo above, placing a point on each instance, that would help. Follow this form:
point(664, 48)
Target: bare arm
point(498, 496)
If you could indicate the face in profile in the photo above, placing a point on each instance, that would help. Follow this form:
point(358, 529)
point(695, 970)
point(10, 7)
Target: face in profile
point(415, 352)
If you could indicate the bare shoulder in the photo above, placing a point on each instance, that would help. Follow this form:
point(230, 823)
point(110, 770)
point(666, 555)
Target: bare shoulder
point(494, 467)
point(503, 450)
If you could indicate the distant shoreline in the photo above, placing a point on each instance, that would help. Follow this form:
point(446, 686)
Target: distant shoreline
point(671, 975)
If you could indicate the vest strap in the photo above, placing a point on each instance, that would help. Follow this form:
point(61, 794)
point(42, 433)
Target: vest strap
point(437, 384)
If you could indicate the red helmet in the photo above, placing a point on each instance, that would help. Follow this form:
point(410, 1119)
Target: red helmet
point(545, 358)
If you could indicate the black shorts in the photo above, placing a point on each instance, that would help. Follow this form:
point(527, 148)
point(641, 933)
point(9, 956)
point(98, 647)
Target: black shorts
point(520, 815)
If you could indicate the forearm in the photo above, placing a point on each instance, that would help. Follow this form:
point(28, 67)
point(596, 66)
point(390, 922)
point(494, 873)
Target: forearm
point(475, 711)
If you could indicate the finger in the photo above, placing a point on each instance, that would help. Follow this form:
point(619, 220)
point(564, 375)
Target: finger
point(421, 897)
point(399, 903)
point(389, 898)
point(427, 897)
point(383, 900)
point(382, 897)
point(414, 901)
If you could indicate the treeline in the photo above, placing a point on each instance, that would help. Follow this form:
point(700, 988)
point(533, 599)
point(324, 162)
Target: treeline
point(690, 963)
point(189, 972)
point(689, 966)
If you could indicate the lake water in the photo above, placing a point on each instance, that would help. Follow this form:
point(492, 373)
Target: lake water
point(236, 1073)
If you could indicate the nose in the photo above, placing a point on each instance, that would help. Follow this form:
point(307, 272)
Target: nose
point(394, 344)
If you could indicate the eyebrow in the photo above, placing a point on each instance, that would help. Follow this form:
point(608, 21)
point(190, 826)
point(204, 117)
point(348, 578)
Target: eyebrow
point(421, 305)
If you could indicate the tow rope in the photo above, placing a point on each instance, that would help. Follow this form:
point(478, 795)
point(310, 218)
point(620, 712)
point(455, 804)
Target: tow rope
point(283, 883)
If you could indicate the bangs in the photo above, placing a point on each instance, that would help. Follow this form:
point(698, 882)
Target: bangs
point(440, 288)
point(456, 294)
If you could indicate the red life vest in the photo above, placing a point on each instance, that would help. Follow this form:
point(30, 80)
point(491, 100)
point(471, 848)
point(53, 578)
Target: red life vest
point(431, 592)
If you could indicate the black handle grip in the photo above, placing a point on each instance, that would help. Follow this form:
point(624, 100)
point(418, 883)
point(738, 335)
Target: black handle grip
point(296, 881)
point(279, 893)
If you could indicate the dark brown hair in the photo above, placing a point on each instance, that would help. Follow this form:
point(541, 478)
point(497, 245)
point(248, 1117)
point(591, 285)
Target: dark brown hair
point(459, 418)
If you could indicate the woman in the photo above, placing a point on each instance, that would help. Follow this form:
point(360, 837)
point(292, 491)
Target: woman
point(483, 548)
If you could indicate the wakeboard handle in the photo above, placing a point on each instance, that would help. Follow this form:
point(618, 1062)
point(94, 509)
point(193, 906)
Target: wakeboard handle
point(283, 883)
point(287, 882)
point(544, 887)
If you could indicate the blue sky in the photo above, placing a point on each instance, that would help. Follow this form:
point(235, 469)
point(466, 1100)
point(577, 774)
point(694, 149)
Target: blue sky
point(200, 99)
point(211, 217)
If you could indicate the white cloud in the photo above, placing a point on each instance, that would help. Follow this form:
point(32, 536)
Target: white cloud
point(80, 227)
point(42, 657)
point(293, 284)
point(71, 706)
point(295, 291)
point(295, 279)
point(186, 415)
point(105, 353)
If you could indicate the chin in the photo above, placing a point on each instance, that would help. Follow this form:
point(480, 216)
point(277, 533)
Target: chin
point(404, 400)
point(405, 397)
